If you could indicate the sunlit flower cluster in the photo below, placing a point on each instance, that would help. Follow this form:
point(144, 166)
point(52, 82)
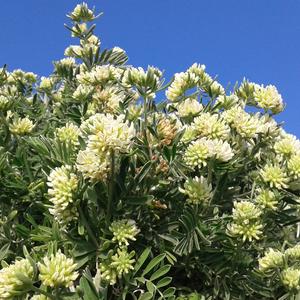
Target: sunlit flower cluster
point(12, 285)
point(57, 270)
point(82, 13)
point(62, 183)
point(197, 189)
point(203, 149)
point(267, 199)
point(268, 98)
point(211, 126)
point(123, 231)
point(68, 134)
point(98, 75)
point(21, 126)
point(105, 133)
point(272, 259)
point(274, 176)
point(246, 221)
point(189, 107)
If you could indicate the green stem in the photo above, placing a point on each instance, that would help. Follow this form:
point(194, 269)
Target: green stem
point(87, 226)
point(209, 172)
point(111, 187)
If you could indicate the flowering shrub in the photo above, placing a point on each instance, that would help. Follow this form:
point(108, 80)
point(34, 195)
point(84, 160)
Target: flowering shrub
point(108, 193)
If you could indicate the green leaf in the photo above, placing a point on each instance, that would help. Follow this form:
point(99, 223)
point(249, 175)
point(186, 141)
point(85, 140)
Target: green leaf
point(151, 287)
point(169, 292)
point(144, 171)
point(160, 272)
point(88, 292)
point(153, 263)
point(4, 251)
point(141, 260)
point(164, 282)
point(146, 296)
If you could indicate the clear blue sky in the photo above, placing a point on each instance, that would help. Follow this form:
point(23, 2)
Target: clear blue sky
point(258, 39)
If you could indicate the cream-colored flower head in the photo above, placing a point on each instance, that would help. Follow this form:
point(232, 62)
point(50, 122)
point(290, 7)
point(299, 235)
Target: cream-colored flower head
point(68, 134)
point(268, 98)
point(66, 62)
point(228, 102)
point(293, 166)
point(19, 75)
point(189, 107)
point(274, 176)
point(189, 134)
point(4, 103)
point(82, 13)
point(290, 278)
point(198, 153)
point(123, 261)
point(246, 221)
point(124, 231)
point(181, 83)
point(203, 149)
point(62, 183)
point(293, 253)
point(105, 133)
point(82, 92)
point(287, 145)
point(197, 190)
point(216, 89)
point(11, 286)
point(271, 260)
point(222, 150)
point(92, 165)
point(108, 99)
point(268, 126)
point(98, 75)
point(246, 125)
point(211, 126)
point(138, 77)
point(57, 271)
point(196, 69)
point(267, 199)
point(21, 126)
point(46, 83)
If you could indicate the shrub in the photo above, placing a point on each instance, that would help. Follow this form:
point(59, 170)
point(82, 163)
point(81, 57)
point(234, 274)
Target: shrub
point(109, 194)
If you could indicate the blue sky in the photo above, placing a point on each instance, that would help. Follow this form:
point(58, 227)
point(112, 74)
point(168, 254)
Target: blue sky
point(256, 39)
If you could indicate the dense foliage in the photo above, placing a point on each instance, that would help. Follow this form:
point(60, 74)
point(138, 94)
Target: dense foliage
point(106, 193)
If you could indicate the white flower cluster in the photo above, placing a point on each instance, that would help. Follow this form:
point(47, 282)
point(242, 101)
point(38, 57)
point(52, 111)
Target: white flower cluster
point(62, 183)
point(203, 149)
point(21, 126)
point(68, 134)
point(144, 80)
point(197, 190)
point(189, 107)
point(246, 221)
point(104, 134)
point(57, 271)
point(11, 285)
point(212, 126)
point(268, 98)
point(99, 75)
point(283, 263)
point(194, 77)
